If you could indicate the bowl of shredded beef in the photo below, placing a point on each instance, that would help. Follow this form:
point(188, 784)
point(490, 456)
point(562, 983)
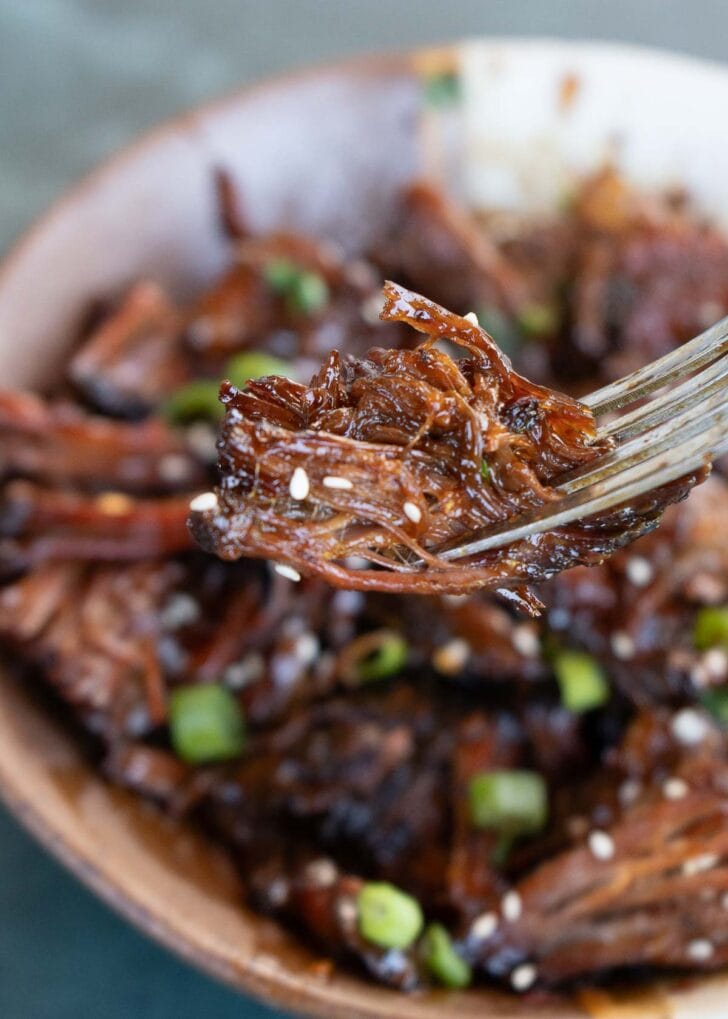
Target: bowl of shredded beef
point(499, 794)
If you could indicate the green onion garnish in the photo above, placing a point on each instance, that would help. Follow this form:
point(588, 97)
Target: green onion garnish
point(581, 680)
point(198, 399)
point(716, 703)
point(205, 723)
point(388, 917)
point(711, 627)
point(442, 89)
point(510, 802)
point(538, 319)
point(305, 292)
point(484, 470)
point(375, 655)
point(442, 960)
point(254, 364)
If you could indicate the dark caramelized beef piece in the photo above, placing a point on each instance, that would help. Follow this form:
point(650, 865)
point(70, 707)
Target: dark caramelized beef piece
point(396, 457)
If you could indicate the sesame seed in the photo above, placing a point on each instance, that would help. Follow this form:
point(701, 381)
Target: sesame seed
point(629, 792)
point(277, 891)
point(484, 926)
point(371, 308)
point(299, 485)
point(639, 570)
point(559, 618)
point(689, 727)
point(181, 610)
point(413, 511)
point(333, 481)
point(249, 669)
point(700, 949)
point(601, 845)
point(674, 789)
point(699, 864)
point(346, 911)
point(525, 640)
point(523, 977)
point(451, 657)
point(201, 439)
point(306, 648)
point(622, 645)
point(715, 662)
point(472, 318)
point(321, 872)
point(204, 502)
point(511, 906)
point(287, 571)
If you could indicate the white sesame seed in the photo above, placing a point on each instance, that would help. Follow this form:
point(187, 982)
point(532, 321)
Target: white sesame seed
point(299, 485)
point(249, 669)
point(451, 657)
point(371, 307)
point(523, 977)
point(277, 891)
point(472, 318)
point(333, 481)
point(203, 502)
point(511, 906)
point(674, 789)
point(321, 872)
point(484, 926)
point(601, 845)
point(347, 912)
point(201, 439)
point(306, 648)
point(639, 570)
point(525, 640)
point(181, 610)
point(689, 727)
point(287, 571)
point(715, 663)
point(629, 792)
point(454, 600)
point(700, 949)
point(559, 618)
point(622, 645)
point(348, 603)
point(413, 512)
point(699, 864)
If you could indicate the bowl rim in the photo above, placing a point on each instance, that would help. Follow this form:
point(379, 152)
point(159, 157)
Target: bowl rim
point(310, 999)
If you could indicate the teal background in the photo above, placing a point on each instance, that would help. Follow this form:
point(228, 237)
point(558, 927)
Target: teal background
point(79, 78)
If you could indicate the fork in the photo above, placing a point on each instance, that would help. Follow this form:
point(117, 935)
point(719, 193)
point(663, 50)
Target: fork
point(656, 442)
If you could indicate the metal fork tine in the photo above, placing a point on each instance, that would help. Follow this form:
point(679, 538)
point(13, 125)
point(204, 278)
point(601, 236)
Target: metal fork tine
point(696, 415)
point(654, 412)
point(606, 495)
point(682, 361)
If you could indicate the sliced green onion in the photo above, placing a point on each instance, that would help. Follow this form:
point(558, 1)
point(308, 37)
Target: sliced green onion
point(716, 703)
point(254, 364)
point(581, 680)
point(711, 627)
point(539, 319)
point(387, 916)
point(484, 470)
point(442, 89)
point(205, 723)
point(305, 292)
point(511, 802)
point(442, 960)
point(383, 653)
point(198, 399)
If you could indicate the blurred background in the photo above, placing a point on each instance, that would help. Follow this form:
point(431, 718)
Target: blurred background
point(78, 79)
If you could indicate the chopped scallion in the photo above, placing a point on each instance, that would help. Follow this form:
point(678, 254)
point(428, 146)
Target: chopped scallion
point(198, 399)
point(305, 292)
point(511, 802)
point(205, 723)
point(716, 703)
point(538, 319)
point(581, 680)
point(387, 916)
point(386, 656)
point(484, 470)
point(254, 364)
point(711, 627)
point(441, 959)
